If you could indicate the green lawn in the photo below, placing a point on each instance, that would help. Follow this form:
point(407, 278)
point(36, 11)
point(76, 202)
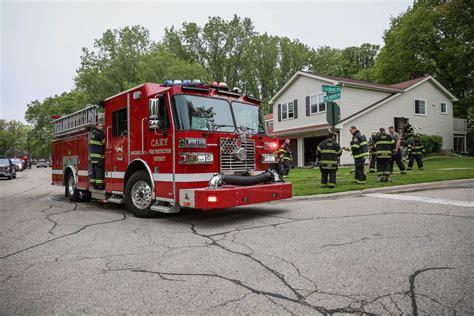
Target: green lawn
point(307, 181)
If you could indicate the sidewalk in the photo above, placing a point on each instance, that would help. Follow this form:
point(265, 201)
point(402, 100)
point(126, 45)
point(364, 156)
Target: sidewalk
point(389, 189)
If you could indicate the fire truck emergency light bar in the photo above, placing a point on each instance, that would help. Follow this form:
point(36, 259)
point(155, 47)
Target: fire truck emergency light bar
point(76, 121)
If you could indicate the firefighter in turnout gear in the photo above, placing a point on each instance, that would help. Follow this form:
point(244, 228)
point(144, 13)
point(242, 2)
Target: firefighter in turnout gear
point(408, 131)
point(284, 158)
point(372, 157)
point(96, 156)
point(415, 152)
point(397, 156)
point(327, 157)
point(384, 149)
point(360, 151)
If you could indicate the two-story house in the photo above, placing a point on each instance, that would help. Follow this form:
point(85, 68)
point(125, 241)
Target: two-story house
point(299, 111)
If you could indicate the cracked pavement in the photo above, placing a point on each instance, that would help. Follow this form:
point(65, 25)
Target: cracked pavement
point(354, 255)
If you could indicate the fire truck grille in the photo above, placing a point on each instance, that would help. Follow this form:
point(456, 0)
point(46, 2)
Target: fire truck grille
point(230, 164)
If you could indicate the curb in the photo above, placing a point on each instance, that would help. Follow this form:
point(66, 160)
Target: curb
point(389, 189)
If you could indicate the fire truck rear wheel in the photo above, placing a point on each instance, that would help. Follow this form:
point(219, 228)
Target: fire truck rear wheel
point(138, 195)
point(71, 189)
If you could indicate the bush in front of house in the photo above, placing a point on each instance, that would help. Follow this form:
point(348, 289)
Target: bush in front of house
point(432, 143)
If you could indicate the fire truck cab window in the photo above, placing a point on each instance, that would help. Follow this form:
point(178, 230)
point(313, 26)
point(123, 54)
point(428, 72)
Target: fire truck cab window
point(203, 114)
point(119, 122)
point(248, 116)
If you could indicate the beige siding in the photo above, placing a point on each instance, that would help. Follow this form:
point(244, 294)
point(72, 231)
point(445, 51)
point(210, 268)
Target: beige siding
point(352, 101)
point(302, 87)
point(434, 123)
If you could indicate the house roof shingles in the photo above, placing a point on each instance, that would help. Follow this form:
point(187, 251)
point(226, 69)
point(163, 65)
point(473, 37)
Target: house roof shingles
point(407, 84)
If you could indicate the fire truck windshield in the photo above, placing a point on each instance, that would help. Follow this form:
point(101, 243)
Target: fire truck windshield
point(248, 116)
point(203, 114)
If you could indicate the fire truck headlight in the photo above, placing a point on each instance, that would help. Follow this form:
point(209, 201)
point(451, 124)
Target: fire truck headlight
point(269, 158)
point(192, 142)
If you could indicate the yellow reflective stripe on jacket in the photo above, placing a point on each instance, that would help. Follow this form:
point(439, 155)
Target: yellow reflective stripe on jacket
point(384, 142)
point(361, 155)
point(328, 151)
point(329, 161)
point(93, 155)
point(95, 142)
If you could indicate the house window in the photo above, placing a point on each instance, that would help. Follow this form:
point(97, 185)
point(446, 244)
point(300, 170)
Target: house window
point(287, 111)
point(317, 104)
point(119, 122)
point(420, 107)
point(444, 108)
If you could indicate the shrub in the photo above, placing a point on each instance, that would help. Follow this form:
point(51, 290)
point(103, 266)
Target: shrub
point(432, 143)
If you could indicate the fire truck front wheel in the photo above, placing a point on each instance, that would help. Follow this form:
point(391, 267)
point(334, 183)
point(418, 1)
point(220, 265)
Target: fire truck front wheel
point(138, 195)
point(71, 189)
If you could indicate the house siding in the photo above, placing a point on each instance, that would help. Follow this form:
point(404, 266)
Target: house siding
point(434, 123)
point(352, 101)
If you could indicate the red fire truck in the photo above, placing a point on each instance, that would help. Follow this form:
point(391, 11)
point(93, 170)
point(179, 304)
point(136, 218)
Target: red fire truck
point(172, 145)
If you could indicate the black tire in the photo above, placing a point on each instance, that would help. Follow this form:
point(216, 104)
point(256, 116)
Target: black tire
point(71, 190)
point(9, 177)
point(140, 183)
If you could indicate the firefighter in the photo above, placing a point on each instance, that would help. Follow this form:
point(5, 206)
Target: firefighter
point(397, 156)
point(96, 156)
point(327, 157)
point(284, 158)
point(360, 151)
point(384, 149)
point(372, 157)
point(408, 131)
point(415, 152)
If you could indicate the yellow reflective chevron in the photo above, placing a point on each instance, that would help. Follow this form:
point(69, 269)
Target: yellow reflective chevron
point(95, 142)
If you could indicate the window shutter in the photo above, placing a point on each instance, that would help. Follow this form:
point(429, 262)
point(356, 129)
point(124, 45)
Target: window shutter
point(308, 110)
point(279, 112)
point(295, 110)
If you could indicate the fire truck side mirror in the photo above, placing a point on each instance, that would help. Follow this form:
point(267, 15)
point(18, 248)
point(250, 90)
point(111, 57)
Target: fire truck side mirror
point(153, 106)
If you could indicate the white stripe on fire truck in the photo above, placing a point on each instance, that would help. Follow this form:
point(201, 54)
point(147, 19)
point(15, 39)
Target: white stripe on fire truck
point(57, 171)
point(83, 173)
point(183, 177)
point(115, 175)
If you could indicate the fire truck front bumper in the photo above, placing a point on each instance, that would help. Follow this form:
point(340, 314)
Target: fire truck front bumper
point(231, 196)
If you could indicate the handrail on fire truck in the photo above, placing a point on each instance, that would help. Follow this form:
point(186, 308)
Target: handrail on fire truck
point(76, 121)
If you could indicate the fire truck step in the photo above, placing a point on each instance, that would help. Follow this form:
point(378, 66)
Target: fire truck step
point(97, 194)
point(117, 199)
point(165, 209)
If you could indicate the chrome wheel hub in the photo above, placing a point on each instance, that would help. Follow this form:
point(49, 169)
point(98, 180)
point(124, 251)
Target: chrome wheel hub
point(141, 194)
point(70, 185)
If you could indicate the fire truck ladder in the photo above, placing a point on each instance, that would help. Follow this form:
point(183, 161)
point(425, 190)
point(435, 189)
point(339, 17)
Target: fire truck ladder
point(76, 121)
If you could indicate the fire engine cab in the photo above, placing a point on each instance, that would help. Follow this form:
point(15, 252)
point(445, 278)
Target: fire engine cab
point(171, 145)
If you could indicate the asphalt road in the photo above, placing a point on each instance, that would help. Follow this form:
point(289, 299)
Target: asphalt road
point(386, 254)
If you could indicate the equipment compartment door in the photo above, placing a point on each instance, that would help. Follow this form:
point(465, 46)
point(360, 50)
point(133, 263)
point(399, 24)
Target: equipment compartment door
point(117, 150)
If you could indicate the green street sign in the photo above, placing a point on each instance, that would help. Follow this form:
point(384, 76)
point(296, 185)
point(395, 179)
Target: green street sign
point(331, 89)
point(333, 113)
point(331, 97)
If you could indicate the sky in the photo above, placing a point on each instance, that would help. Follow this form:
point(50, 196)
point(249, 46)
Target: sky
point(41, 41)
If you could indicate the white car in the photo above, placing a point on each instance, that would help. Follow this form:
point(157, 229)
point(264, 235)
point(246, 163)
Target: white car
point(41, 163)
point(18, 164)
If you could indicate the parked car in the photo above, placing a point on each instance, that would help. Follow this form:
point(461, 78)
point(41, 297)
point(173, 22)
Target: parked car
point(7, 168)
point(42, 163)
point(18, 164)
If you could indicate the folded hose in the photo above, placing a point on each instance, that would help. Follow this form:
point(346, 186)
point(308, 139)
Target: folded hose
point(267, 176)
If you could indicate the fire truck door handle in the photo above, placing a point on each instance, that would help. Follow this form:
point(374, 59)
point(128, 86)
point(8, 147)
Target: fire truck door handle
point(107, 137)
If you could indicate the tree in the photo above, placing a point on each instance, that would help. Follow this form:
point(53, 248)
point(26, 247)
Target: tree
point(435, 38)
point(39, 114)
point(12, 137)
point(219, 46)
point(113, 65)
